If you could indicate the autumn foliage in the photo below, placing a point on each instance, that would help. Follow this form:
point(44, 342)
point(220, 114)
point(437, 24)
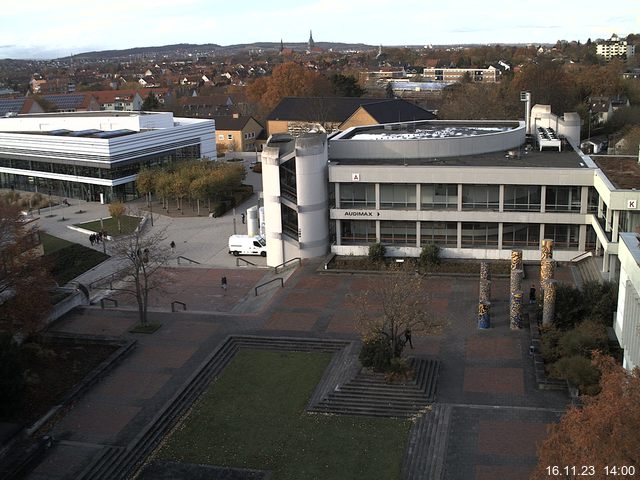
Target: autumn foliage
point(605, 432)
point(287, 80)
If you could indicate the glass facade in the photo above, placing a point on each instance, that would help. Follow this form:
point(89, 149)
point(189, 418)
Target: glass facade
point(439, 196)
point(563, 199)
point(398, 196)
point(444, 234)
point(479, 235)
point(289, 222)
point(357, 195)
point(398, 233)
point(480, 197)
point(288, 186)
point(357, 232)
point(522, 198)
point(563, 236)
point(520, 235)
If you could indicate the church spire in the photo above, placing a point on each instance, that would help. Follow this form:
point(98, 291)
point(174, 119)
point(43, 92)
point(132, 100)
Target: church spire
point(281, 46)
point(311, 42)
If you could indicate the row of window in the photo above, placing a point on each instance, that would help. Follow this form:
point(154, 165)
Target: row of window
point(523, 198)
point(473, 234)
point(247, 136)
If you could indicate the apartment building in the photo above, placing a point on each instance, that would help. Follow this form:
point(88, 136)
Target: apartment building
point(455, 75)
point(615, 47)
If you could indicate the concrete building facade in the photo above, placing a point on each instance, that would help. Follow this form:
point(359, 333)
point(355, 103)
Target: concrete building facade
point(84, 155)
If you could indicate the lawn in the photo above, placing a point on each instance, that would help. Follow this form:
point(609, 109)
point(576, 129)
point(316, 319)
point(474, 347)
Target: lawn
point(128, 225)
point(69, 260)
point(253, 417)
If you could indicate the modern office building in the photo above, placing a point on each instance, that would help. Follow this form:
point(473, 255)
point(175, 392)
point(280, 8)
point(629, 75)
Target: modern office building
point(456, 75)
point(627, 319)
point(477, 189)
point(95, 155)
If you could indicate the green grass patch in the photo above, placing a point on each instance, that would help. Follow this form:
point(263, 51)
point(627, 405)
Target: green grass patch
point(128, 225)
point(253, 417)
point(52, 244)
point(69, 260)
point(148, 328)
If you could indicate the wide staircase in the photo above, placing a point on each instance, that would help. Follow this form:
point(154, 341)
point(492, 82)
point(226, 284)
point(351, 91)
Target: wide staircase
point(588, 269)
point(372, 394)
point(426, 453)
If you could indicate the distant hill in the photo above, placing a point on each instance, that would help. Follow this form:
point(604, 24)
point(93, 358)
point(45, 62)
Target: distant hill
point(208, 48)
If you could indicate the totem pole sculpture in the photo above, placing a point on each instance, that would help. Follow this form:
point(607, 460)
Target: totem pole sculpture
point(515, 290)
point(484, 305)
point(547, 282)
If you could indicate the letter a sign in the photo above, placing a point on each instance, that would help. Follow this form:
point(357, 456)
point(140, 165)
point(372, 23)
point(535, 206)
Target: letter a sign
point(355, 177)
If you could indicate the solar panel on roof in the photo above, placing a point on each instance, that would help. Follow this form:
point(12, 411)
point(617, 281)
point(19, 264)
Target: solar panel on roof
point(84, 133)
point(64, 102)
point(60, 131)
point(11, 105)
point(114, 133)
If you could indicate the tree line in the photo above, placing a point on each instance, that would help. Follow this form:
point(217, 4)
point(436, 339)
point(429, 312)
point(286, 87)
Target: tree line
point(194, 180)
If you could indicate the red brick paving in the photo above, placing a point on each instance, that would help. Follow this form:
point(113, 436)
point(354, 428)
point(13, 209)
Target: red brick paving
point(440, 305)
point(100, 419)
point(494, 472)
point(502, 348)
point(343, 321)
point(310, 299)
point(320, 283)
point(291, 321)
point(494, 380)
point(510, 438)
point(132, 384)
point(155, 356)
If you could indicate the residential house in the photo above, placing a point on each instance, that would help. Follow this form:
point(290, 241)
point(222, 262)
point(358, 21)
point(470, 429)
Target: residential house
point(235, 133)
point(72, 102)
point(22, 105)
point(601, 110)
point(206, 106)
point(296, 115)
point(119, 100)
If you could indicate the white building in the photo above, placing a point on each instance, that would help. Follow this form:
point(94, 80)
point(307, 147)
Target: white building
point(627, 319)
point(83, 155)
point(615, 47)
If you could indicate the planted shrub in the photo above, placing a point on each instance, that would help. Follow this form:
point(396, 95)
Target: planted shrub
point(377, 252)
point(376, 353)
point(430, 255)
point(579, 372)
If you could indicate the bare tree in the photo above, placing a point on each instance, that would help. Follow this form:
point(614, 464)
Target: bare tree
point(144, 256)
point(117, 210)
point(392, 306)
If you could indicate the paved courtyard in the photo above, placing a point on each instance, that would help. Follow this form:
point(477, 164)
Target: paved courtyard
point(498, 414)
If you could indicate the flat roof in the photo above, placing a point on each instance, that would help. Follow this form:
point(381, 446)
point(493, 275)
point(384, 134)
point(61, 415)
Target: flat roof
point(567, 158)
point(623, 172)
point(428, 129)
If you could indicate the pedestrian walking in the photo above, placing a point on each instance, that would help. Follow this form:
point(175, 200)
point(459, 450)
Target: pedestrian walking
point(223, 284)
point(92, 239)
point(407, 338)
point(532, 294)
point(145, 255)
point(173, 246)
point(242, 217)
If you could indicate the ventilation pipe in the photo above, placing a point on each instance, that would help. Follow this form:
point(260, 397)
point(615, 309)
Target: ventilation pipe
point(526, 97)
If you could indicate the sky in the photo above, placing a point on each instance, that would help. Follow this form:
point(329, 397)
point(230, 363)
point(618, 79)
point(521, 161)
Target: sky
point(48, 29)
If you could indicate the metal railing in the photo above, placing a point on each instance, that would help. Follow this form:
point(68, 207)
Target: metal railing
point(238, 260)
point(112, 277)
point(287, 263)
point(582, 256)
point(107, 299)
point(188, 260)
point(176, 302)
point(267, 283)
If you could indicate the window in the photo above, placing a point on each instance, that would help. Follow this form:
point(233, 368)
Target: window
point(440, 233)
point(289, 222)
point(592, 201)
point(246, 136)
point(520, 235)
point(358, 232)
point(220, 137)
point(522, 198)
point(288, 186)
point(439, 196)
point(398, 233)
point(563, 199)
point(480, 197)
point(397, 197)
point(230, 136)
point(479, 235)
point(362, 195)
point(563, 236)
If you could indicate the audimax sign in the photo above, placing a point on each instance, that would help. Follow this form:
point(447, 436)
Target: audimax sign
point(360, 213)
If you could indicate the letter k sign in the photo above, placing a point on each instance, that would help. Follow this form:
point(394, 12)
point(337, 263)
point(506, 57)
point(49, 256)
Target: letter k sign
point(632, 204)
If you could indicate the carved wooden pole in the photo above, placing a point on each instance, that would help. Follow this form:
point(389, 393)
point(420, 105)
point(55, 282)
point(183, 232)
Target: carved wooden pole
point(549, 304)
point(484, 321)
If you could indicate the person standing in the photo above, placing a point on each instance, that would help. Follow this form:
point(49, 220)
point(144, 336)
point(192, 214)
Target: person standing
point(242, 217)
point(173, 246)
point(532, 294)
point(223, 284)
point(407, 337)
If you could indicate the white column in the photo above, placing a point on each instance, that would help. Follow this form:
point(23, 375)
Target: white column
point(584, 198)
point(501, 199)
point(543, 200)
point(614, 226)
point(459, 234)
point(377, 189)
point(459, 198)
point(418, 196)
point(500, 229)
point(582, 238)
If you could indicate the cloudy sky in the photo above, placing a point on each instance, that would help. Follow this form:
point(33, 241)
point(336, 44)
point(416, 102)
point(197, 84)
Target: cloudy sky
point(47, 29)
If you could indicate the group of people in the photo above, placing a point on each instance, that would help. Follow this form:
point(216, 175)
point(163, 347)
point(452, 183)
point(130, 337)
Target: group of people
point(99, 237)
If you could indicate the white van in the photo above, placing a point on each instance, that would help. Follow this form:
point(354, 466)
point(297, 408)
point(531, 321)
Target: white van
point(246, 245)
